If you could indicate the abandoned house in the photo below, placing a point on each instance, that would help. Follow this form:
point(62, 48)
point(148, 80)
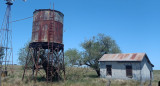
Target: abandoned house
point(136, 66)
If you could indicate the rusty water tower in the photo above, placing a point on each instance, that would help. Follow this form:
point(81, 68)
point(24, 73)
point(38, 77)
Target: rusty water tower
point(44, 30)
point(46, 50)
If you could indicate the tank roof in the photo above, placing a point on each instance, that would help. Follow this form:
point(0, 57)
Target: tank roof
point(47, 10)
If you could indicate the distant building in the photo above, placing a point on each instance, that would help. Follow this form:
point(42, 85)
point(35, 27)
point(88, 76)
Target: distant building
point(136, 66)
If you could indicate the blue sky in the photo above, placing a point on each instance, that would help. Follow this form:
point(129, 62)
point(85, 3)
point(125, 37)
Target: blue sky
point(134, 24)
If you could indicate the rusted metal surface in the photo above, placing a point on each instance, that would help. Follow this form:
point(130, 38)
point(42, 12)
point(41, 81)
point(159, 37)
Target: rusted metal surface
point(52, 61)
point(47, 37)
point(45, 28)
point(123, 57)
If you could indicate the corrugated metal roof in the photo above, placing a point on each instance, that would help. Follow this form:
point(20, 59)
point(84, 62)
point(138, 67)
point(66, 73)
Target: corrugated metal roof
point(123, 57)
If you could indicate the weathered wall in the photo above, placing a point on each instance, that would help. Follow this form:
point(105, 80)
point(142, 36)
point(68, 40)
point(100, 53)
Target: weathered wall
point(119, 70)
point(146, 70)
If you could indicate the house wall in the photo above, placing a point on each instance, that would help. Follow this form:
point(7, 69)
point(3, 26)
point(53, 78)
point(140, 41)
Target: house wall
point(140, 70)
point(119, 70)
point(146, 70)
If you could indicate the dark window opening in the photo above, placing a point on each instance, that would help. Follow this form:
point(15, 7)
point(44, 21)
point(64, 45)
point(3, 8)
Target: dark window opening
point(129, 71)
point(109, 70)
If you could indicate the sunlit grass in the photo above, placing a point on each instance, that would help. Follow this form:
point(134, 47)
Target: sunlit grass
point(74, 77)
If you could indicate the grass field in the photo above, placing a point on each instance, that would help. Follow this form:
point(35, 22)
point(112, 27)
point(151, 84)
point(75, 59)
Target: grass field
point(74, 77)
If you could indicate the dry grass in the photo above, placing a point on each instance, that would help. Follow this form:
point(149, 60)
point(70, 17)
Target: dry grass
point(74, 77)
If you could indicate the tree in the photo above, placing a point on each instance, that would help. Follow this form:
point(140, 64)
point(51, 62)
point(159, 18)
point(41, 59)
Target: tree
point(95, 48)
point(23, 54)
point(72, 57)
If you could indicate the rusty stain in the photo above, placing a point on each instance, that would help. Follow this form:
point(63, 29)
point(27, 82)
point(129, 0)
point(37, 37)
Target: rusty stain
point(47, 26)
point(123, 57)
point(133, 56)
point(113, 56)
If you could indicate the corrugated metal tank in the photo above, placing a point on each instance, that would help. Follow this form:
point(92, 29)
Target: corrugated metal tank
point(43, 31)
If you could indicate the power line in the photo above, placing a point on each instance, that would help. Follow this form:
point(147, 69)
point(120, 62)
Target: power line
point(21, 19)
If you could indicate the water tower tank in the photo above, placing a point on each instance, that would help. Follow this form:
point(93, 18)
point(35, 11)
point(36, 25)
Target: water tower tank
point(44, 29)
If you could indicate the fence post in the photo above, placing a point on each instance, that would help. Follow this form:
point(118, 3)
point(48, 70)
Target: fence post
point(109, 82)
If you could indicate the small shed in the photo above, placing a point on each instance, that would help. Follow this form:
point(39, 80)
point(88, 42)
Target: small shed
point(136, 66)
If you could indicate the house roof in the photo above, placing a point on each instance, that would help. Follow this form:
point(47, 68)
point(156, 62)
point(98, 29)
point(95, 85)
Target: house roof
point(125, 57)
